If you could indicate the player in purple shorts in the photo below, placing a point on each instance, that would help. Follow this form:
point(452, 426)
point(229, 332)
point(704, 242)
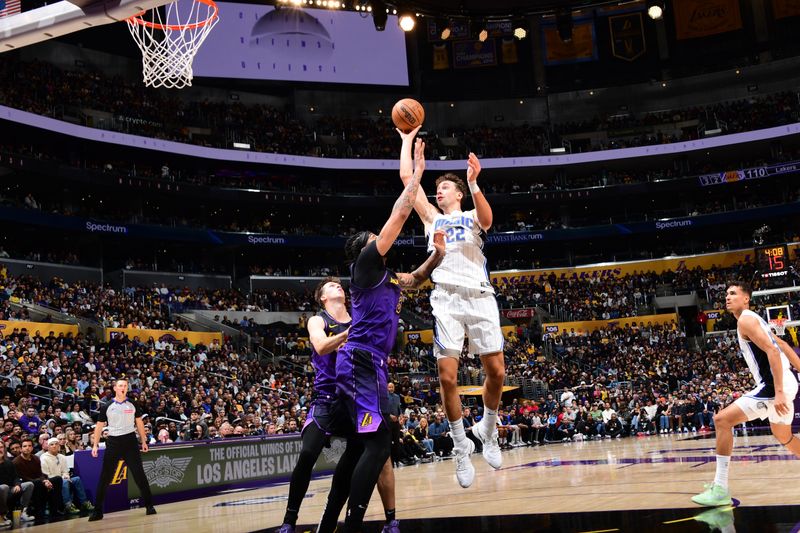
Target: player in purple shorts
point(361, 365)
point(326, 332)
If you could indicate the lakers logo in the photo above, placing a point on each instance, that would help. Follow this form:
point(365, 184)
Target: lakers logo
point(367, 420)
point(120, 473)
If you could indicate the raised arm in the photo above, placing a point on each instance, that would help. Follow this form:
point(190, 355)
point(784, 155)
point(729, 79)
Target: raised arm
point(483, 211)
point(418, 277)
point(323, 344)
point(426, 211)
point(404, 204)
point(750, 328)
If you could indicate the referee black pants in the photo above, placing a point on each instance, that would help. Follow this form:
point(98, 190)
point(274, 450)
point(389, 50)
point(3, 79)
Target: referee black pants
point(126, 448)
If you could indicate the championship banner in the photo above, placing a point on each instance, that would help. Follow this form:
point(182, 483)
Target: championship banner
point(782, 9)
point(700, 18)
point(560, 328)
point(470, 54)
point(42, 329)
point(580, 48)
point(441, 57)
point(627, 36)
point(193, 337)
point(619, 270)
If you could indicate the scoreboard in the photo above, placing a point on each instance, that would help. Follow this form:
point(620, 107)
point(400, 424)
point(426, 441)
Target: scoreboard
point(772, 262)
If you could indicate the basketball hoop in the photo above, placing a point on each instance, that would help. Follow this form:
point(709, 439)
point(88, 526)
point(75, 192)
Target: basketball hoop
point(779, 325)
point(169, 44)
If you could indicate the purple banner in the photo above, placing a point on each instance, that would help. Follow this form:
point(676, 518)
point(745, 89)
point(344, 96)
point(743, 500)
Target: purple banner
point(260, 42)
point(88, 468)
point(159, 145)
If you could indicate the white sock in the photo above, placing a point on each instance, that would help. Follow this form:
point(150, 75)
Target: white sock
point(489, 420)
point(721, 479)
point(457, 432)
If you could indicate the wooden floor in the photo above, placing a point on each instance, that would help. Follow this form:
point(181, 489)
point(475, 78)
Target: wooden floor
point(656, 472)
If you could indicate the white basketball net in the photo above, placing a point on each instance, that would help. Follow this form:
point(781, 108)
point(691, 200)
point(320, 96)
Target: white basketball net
point(779, 326)
point(169, 44)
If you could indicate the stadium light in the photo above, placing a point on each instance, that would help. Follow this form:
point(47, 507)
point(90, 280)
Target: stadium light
point(520, 33)
point(407, 22)
point(483, 35)
point(445, 28)
point(655, 9)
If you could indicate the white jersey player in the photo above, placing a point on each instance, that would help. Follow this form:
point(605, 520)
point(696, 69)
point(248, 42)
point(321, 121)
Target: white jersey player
point(769, 359)
point(463, 304)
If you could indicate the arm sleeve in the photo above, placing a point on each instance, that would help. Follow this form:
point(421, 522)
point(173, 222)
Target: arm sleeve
point(369, 269)
point(103, 416)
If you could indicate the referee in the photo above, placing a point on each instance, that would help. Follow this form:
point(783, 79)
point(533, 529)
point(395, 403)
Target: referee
point(123, 420)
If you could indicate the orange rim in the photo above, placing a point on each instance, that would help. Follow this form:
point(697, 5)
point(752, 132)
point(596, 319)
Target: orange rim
point(137, 19)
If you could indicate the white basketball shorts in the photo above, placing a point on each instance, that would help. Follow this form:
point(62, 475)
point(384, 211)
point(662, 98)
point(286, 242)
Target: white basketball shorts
point(459, 311)
point(759, 408)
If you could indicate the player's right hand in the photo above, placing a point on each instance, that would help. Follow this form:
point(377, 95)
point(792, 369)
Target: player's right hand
point(94, 451)
point(781, 406)
point(410, 135)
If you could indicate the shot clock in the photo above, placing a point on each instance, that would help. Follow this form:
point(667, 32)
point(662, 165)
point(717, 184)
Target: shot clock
point(772, 261)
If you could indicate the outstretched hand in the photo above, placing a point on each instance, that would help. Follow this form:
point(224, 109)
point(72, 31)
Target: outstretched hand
point(419, 156)
point(473, 167)
point(410, 135)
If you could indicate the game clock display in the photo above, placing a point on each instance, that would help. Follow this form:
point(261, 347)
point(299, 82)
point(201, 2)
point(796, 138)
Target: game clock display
point(772, 261)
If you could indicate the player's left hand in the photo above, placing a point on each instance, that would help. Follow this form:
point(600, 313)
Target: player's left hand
point(145, 447)
point(473, 167)
point(419, 156)
point(438, 241)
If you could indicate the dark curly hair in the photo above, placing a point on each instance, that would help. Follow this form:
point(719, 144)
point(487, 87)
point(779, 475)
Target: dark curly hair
point(354, 245)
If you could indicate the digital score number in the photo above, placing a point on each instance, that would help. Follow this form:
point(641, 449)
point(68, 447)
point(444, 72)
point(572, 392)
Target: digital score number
point(773, 261)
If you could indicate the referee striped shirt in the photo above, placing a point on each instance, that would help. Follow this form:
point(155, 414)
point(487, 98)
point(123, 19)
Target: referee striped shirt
point(120, 417)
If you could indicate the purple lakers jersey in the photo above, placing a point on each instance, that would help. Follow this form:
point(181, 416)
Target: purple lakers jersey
point(375, 313)
point(325, 365)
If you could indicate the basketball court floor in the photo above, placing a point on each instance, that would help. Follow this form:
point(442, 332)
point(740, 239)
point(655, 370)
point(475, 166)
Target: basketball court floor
point(633, 484)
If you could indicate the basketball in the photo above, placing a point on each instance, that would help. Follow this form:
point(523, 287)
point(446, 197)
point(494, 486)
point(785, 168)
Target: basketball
point(407, 114)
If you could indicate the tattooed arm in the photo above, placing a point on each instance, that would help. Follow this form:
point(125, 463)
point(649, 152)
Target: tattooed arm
point(404, 204)
point(418, 277)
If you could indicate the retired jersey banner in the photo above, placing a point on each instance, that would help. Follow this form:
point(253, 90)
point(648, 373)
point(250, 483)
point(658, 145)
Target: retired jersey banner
point(561, 328)
point(164, 335)
point(441, 57)
point(581, 48)
point(42, 329)
point(700, 18)
point(782, 9)
point(508, 51)
point(627, 36)
point(470, 54)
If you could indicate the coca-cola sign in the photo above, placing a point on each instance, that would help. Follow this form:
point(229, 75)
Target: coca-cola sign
point(518, 313)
